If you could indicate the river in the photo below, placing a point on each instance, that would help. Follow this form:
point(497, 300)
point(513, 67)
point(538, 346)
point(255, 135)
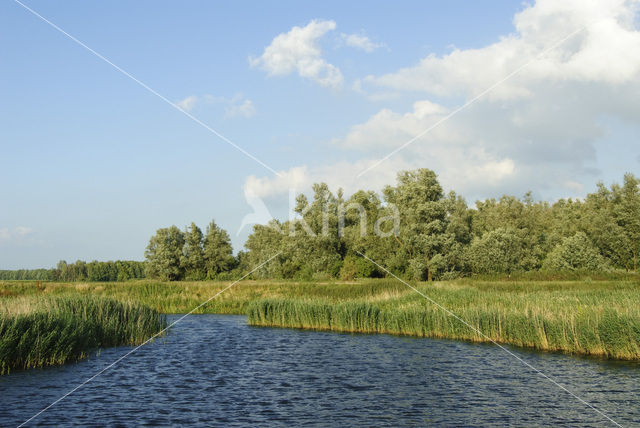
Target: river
point(215, 370)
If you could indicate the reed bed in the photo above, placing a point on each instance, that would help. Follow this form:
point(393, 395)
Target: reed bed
point(181, 297)
point(582, 318)
point(55, 330)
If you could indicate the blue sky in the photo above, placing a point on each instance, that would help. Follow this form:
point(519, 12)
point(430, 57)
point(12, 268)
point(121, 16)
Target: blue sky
point(93, 164)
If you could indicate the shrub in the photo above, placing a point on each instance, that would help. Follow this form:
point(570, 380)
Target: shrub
point(498, 251)
point(575, 253)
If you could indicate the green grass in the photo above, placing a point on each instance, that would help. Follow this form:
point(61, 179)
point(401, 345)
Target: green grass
point(39, 332)
point(579, 316)
point(590, 318)
point(182, 297)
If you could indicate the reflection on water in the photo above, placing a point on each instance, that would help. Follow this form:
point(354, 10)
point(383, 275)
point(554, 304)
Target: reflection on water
point(216, 370)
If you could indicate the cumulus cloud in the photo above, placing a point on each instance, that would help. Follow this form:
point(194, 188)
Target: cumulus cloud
point(360, 41)
point(23, 230)
point(299, 51)
point(188, 103)
point(604, 49)
point(236, 106)
point(536, 130)
point(243, 109)
point(14, 235)
point(265, 187)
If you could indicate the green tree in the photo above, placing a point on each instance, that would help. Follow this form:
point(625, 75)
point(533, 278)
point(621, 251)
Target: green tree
point(63, 271)
point(575, 253)
point(603, 226)
point(313, 247)
point(164, 254)
point(498, 251)
point(530, 220)
point(193, 257)
point(420, 201)
point(627, 212)
point(265, 242)
point(218, 253)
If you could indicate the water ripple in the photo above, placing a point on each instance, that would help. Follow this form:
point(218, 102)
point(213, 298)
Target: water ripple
point(214, 370)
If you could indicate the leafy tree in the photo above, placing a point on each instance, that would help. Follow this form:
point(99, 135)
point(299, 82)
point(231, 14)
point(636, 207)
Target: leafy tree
point(63, 272)
point(420, 201)
point(217, 250)
point(575, 253)
point(314, 247)
point(627, 212)
point(264, 243)
point(498, 251)
point(164, 254)
point(193, 259)
point(603, 226)
point(526, 218)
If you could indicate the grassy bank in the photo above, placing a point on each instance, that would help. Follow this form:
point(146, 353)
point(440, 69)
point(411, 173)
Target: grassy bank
point(181, 297)
point(581, 316)
point(590, 318)
point(38, 332)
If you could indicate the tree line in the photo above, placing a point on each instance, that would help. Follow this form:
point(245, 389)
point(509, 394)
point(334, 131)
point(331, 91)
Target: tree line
point(412, 229)
point(440, 237)
point(94, 271)
point(416, 231)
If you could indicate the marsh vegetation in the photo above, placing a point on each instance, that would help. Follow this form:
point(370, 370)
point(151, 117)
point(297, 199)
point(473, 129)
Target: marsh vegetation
point(569, 313)
point(39, 331)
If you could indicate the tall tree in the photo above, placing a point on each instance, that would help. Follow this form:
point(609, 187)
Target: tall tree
point(316, 241)
point(628, 216)
point(218, 253)
point(164, 254)
point(193, 257)
point(603, 227)
point(265, 242)
point(423, 220)
point(498, 251)
point(575, 253)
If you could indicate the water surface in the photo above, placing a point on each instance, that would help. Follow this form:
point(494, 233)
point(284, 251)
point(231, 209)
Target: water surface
point(215, 370)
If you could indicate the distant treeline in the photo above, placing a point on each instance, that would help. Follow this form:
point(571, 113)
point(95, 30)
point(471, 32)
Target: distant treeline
point(80, 271)
point(416, 231)
point(413, 230)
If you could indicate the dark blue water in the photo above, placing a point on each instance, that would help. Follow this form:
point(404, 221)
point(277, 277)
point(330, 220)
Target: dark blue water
point(215, 370)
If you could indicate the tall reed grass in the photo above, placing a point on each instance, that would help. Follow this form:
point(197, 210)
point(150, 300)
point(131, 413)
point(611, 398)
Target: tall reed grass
point(583, 316)
point(582, 319)
point(55, 330)
point(181, 297)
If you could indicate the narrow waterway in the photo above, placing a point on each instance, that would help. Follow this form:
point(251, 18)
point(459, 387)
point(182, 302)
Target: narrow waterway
point(215, 370)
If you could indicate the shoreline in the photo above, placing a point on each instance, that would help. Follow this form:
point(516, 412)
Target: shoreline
point(598, 318)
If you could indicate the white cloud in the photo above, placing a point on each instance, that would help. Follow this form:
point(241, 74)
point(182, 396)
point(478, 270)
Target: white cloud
point(537, 130)
point(386, 128)
point(574, 186)
point(188, 103)
point(15, 235)
point(299, 51)
point(604, 51)
point(244, 109)
point(237, 106)
point(23, 230)
point(360, 41)
point(265, 187)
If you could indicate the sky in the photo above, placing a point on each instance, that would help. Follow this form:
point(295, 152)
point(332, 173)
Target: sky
point(230, 108)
